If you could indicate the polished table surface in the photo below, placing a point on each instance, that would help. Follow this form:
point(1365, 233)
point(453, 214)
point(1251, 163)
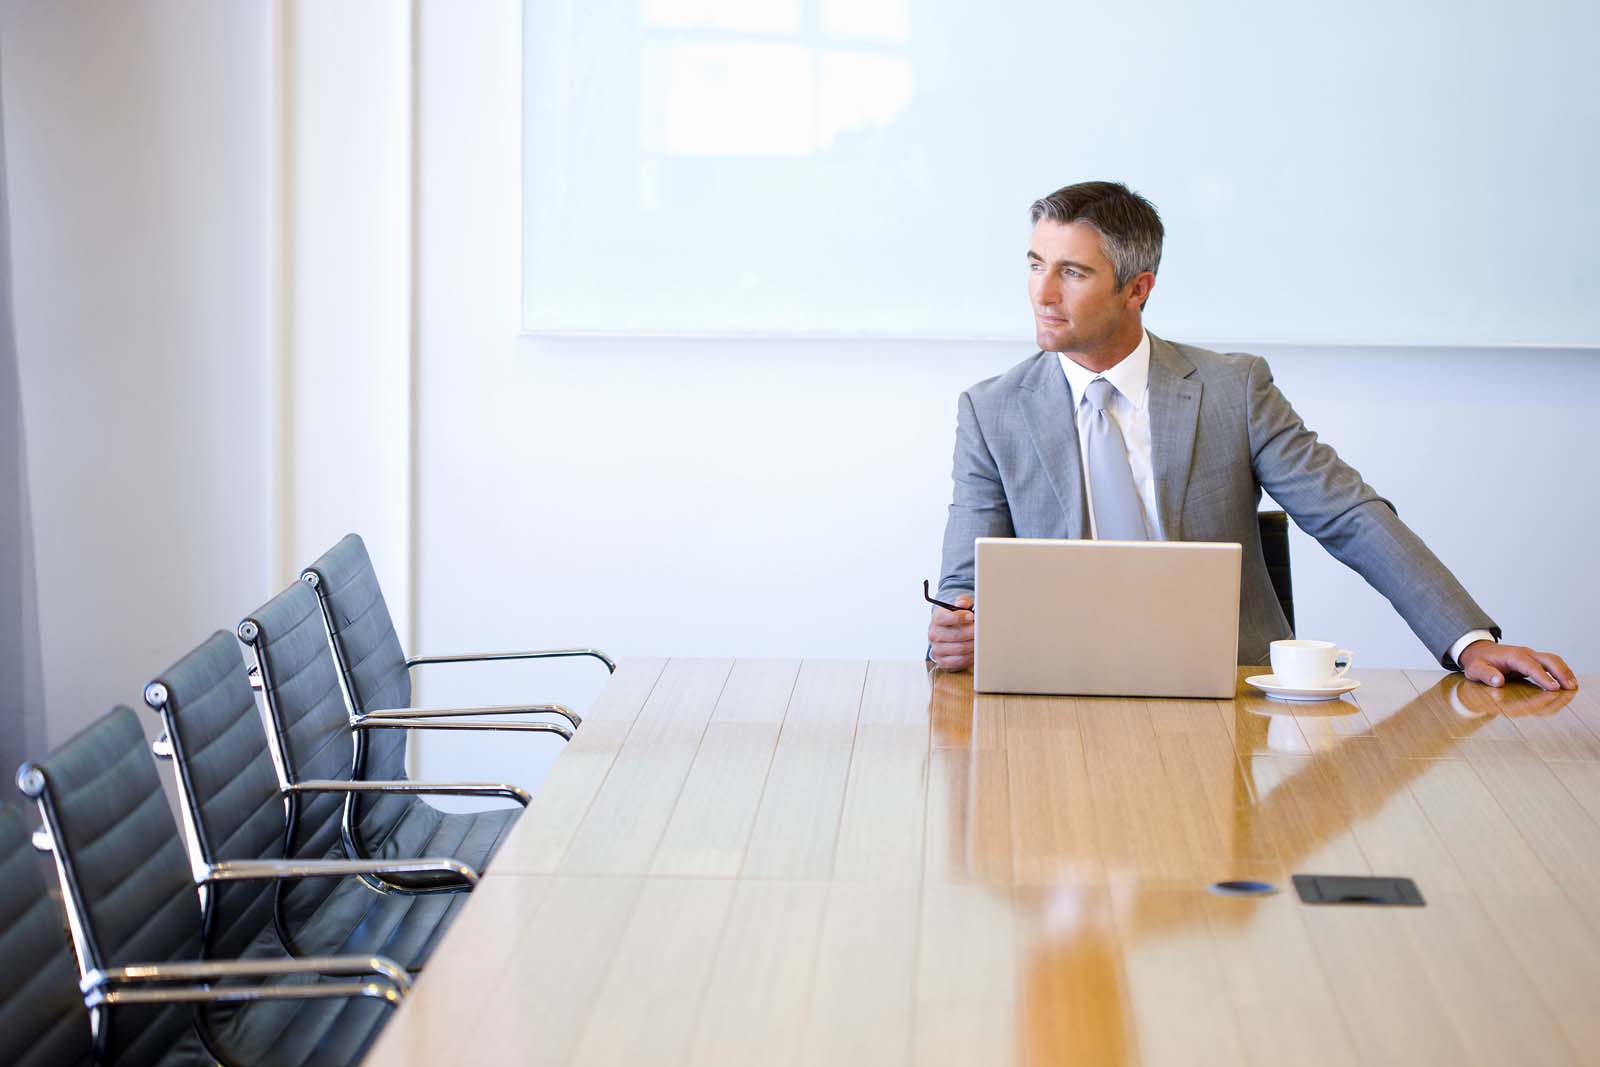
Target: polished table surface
point(777, 862)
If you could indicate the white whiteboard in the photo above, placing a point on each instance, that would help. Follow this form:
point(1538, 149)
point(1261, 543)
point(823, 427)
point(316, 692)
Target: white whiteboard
point(1359, 173)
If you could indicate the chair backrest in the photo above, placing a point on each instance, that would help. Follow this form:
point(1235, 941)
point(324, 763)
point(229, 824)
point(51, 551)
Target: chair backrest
point(124, 874)
point(306, 705)
point(365, 643)
point(226, 780)
point(1274, 527)
point(366, 648)
point(42, 1019)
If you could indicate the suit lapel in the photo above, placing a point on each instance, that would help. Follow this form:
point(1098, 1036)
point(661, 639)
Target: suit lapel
point(1174, 417)
point(1048, 410)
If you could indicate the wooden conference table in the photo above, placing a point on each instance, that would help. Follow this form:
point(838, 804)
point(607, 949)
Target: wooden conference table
point(762, 862)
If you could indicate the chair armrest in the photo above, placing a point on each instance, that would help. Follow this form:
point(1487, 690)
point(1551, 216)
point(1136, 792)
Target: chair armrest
point(231, 994)
point(542, 653)
point(107, 986)
point(449, 789)
point(283, 870)
point(210, 970)
point(489, 709)
point(365, 723)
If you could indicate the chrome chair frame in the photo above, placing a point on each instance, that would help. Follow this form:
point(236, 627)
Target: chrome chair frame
point(370, 871)
point(314, 580)
point(261, 681)
point(105, 987)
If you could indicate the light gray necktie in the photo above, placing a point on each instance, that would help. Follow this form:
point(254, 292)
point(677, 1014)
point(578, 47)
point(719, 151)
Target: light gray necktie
point(1118, 515)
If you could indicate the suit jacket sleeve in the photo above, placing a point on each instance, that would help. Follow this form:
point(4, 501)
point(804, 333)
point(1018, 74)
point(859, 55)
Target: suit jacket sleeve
point(1329, 500)
point(978, 506)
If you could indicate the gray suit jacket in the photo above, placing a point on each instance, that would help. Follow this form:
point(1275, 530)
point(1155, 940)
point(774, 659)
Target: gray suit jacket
point(1220, 433)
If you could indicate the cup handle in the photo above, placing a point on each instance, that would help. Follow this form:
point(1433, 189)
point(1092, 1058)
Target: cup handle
point(1348, 657)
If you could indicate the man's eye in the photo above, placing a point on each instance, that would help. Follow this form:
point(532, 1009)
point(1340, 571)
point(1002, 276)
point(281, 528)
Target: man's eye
point(1069, 272)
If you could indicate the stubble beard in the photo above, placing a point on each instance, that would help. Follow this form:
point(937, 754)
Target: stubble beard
point(1059, 339)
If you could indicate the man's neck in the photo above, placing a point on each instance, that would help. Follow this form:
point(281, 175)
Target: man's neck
point(1118, 348)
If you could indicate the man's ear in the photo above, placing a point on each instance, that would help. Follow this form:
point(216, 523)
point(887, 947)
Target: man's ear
point(1139, 288)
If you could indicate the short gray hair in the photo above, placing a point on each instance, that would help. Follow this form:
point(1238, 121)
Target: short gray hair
point(1129, 227)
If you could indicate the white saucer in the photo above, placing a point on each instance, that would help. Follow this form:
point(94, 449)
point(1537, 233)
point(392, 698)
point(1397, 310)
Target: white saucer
point(1293, 694)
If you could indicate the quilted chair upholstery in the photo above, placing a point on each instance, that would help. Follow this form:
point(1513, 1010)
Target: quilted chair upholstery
point(363, 631)
point(125, 864)
point(228, 782)
point(121, 849)
point(230, 787)
point(304, 695)
point(43, 1022)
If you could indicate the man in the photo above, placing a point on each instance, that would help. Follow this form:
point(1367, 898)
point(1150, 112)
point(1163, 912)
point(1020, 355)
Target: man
point(1113, 432)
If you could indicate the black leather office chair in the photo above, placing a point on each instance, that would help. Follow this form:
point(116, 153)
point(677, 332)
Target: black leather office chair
point(1274, 526)
point(137, 928)
point(373, 666)
point(43, 1022)
point(321, 741)
point(235, 803)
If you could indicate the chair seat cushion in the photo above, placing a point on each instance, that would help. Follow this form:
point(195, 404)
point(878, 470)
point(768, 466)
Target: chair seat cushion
point(188, 1052)
point(425, 831)
point(356, 919)
point(329, 1032)
point(404, 926)
point(321, 1032)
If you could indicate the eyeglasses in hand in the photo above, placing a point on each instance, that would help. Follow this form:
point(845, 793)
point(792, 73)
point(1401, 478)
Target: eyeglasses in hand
point(928, 596)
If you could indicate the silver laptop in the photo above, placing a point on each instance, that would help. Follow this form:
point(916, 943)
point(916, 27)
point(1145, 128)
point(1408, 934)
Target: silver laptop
point(1107, 618)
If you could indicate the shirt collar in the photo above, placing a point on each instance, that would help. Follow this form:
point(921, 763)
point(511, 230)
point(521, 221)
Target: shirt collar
point(1130, 377)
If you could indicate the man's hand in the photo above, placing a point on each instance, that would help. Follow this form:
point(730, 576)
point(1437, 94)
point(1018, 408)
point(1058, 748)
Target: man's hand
point(950, 634)
point(1488, 662)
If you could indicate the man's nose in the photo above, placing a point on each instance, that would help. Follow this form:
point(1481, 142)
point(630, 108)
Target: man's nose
point(1046, 290)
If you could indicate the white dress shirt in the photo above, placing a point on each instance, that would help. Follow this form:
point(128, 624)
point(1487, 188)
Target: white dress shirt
point(1129, 409)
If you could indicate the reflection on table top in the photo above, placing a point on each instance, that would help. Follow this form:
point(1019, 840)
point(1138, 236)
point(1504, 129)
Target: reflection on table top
point(777, 862)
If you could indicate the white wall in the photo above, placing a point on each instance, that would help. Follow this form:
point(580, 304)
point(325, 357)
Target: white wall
point(344, 161)
point(138, 155)
point(673, 497)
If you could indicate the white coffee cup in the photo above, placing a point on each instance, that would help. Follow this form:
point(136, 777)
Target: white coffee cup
point(1309, 664)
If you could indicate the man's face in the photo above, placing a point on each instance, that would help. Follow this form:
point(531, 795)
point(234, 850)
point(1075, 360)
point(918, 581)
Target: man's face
point(1077, 306)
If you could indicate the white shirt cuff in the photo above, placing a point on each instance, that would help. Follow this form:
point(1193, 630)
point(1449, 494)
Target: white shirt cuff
point(1467, 639)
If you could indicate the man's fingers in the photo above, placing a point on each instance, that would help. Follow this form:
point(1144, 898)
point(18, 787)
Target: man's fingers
point(1489, 664)
point(954, 631)
point(950, 636)
point(1480, 670)
point(1524, 662)
point(1558, 669)
point(942, 617)
point(950, 626)
point(952, 658)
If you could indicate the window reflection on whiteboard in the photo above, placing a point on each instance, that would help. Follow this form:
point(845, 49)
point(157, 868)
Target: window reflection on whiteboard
point(746, 16)
point(755, 98)
point(671, 133)
point(875, 20)
point(738, 98)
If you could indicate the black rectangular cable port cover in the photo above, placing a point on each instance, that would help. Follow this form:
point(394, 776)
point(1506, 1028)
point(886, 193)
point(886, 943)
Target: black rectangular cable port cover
point(1353, 889)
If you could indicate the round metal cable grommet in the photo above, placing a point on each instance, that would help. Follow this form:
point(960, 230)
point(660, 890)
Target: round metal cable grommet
point(1243, 888)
